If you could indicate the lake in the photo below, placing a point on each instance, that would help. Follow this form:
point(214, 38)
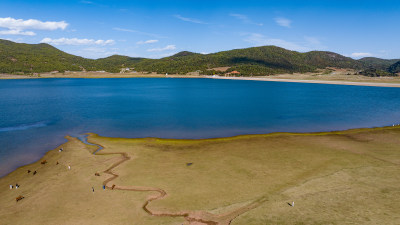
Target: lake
point(36, 114)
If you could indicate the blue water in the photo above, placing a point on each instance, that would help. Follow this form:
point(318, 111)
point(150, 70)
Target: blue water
point(36, 114)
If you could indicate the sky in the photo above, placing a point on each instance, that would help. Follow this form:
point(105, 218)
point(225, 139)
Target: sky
point(159, 28)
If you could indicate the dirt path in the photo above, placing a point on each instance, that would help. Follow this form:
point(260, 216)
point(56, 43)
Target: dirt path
point(192, 217)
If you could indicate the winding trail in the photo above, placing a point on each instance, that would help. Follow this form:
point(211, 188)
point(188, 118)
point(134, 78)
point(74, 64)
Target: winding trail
point(192, 217)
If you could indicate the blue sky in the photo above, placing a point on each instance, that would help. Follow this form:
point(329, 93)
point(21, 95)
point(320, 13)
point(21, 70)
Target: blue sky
point(154, 29)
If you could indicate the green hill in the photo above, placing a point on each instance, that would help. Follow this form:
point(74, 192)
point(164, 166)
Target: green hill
point(265, 60)
point(185, 53)
point(380, 69)
point(29, 58)
point(394, 68)
point(114, 63)
point(372, 72)
point(250, 61)
point(377, 63)
point(36, 58)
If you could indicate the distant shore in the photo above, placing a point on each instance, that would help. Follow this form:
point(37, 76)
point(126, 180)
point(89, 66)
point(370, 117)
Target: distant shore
point(93, 75)
point(355, 83)
point(313, 78)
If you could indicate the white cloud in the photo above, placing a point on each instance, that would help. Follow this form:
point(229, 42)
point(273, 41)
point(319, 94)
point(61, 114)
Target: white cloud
point(244, 19)
point(312, 40)
point(163, 55)
point(168, 47)
point(314, 43)
point(17, 32)
point(137, 32)
point(87, 2)
point(189, 19)
point(125, 30)
point(260, 40)
point(18, 40)
point(146, 42)
point(361, 54)
point(101, 51)
point(284, 22)
point(239, 16)
point(76, 41)
point(95, 52)
point(18, 26)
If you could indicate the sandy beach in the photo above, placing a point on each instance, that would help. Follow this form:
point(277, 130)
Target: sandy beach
point(250, 179)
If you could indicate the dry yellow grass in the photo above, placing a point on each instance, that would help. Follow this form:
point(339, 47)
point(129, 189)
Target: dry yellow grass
point(349, 177)
point(56, 195)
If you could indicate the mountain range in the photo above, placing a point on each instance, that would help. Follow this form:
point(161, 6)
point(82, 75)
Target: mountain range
point(266, 60)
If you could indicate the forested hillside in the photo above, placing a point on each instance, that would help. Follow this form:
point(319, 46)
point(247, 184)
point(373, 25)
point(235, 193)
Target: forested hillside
point(377, 63)
point(255, 61)
point(395, 68)
point(250, 61)
point(27, 58)
point(36, 58)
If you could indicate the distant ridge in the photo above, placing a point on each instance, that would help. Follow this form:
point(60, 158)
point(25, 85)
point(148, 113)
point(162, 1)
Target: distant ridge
point(377, 62)
point(265, 60)
point(184, 53)
point(395, 68)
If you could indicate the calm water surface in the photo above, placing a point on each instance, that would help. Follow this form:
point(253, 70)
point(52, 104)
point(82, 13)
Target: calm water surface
point(36, 114)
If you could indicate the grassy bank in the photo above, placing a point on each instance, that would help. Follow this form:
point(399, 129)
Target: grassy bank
point(348, 177)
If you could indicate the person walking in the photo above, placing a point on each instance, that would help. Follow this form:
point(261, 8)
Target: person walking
point(93, 189)
point(69, 167)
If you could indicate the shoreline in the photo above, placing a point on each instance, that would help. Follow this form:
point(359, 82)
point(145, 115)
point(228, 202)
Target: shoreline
point(241, 136)
point(331, 165)
point(296, 78)
point(94, 75)
point(352, 83)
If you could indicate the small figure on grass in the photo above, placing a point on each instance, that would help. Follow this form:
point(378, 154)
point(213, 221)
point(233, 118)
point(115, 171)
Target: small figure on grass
point(19, 198)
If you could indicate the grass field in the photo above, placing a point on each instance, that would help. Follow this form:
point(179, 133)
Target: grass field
point(349, 177)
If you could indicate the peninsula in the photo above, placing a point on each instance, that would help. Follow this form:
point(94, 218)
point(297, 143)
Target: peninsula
point(251, 179)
